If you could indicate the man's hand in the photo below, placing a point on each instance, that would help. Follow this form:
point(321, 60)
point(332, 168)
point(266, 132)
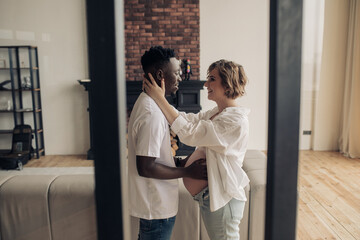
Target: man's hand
point(197, 169)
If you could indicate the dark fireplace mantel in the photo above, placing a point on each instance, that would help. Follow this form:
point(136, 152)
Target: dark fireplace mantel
point(187, 99)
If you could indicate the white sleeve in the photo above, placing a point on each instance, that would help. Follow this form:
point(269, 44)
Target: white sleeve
point(216, 134)
point(149, 134)
point(195, 117)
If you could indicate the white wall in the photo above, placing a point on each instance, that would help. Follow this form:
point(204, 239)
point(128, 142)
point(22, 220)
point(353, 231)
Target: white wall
point(238, 30)
point(332, 76)
point(312, 40)
point(58, 28)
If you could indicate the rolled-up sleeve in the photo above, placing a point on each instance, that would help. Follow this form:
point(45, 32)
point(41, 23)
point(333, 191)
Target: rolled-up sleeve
point(216, 135)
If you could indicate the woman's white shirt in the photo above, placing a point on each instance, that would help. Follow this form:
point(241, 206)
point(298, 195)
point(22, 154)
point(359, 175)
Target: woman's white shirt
point(225, 139)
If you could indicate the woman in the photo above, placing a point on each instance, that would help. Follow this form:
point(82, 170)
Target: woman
point(223, 133)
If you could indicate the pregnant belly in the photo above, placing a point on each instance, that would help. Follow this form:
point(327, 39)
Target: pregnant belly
point(194, 186)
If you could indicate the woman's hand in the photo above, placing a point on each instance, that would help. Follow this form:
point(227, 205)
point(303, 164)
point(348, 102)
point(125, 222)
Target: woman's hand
point(152, 89)
point(158, 94)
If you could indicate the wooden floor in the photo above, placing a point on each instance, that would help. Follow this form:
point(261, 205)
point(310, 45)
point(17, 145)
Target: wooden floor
point(329, 196)
point(329, 193)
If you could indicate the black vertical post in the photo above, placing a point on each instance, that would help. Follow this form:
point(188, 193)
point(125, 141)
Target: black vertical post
point(36, 87)
point(32, 67)
point(19, 81)
point(12, 78)
point(104, 116)
point(284, 108)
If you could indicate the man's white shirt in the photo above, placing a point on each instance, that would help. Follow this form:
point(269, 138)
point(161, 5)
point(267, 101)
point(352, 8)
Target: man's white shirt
point(149, 135)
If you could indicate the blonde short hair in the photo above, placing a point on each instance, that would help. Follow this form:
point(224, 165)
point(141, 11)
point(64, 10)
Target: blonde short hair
point(232, 76)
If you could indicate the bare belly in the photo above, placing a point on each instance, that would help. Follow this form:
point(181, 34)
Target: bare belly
point(194, 186)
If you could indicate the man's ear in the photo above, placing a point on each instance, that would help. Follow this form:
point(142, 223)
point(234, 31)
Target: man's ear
point(159, 75)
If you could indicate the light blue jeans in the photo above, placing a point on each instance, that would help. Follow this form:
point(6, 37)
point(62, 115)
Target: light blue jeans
point(156, 229)
point(223, 224)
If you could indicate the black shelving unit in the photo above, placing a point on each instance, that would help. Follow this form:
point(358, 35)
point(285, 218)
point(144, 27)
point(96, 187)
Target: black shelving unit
point(20, 65)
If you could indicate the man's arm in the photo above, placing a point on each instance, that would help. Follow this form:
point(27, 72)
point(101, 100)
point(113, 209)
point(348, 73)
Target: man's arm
point(147, 167)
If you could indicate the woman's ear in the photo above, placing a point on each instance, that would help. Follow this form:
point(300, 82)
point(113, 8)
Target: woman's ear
point(227, 91)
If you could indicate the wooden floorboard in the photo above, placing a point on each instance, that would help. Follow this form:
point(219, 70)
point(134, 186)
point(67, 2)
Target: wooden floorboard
point(328, 187)
point(329, 196)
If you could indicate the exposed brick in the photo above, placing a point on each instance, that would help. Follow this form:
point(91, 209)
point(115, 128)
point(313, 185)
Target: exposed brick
point(176, 6)
point(170, 23)
point(161, 43)
point(184, 50)
point(173, 22)
point(189, 14)
point(159, 34)
point(193, 23)
point(176, 14)
point(191, 6)
point(146, 34)
point(186, 34)
point(183, 9)
point(177, 38)
point(138, 14)
point(152, 38)
point(164, 21)
point(155, 18)
point(140, 6)
point(165, 38)
point(145, 26)
point(157, 10)
point(195, 10)
point(170, 10)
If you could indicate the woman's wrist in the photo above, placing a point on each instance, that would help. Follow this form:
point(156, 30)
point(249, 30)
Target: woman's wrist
point(160, 99)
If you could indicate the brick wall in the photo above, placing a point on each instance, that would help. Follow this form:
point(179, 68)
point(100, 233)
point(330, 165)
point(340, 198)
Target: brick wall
point(169, 23)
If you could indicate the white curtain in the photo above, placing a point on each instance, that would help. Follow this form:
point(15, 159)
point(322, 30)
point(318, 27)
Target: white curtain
point(350, 127)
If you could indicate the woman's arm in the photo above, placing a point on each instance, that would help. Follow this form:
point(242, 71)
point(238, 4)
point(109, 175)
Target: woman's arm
point(158, 94)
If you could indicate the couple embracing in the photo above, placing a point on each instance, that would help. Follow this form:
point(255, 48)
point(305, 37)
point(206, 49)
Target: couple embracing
point(220, 135)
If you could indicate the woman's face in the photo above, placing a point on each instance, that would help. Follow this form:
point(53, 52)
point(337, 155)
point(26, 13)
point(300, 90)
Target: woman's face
point(216, 90)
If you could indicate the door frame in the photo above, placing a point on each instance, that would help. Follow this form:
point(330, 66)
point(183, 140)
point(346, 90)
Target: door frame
point(106, 66)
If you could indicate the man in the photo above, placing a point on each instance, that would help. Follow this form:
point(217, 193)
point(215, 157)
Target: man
point(153, 184)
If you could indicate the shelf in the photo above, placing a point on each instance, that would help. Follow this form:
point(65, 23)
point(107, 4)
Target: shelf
point(22, 64)
point(21, 89)
point(19, 46)
point(2, 151)
point(24, 68)
point(6, 131)
point(10, 131)
point(20, 110)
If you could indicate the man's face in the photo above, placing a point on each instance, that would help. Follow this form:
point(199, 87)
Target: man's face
point(172, 76)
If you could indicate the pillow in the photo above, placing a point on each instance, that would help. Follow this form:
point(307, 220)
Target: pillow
point(194, 186)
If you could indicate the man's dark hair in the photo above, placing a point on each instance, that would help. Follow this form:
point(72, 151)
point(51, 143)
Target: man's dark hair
point(156, 58)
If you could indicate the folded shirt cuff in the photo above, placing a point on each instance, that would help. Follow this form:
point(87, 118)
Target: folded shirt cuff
point(178, 124)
